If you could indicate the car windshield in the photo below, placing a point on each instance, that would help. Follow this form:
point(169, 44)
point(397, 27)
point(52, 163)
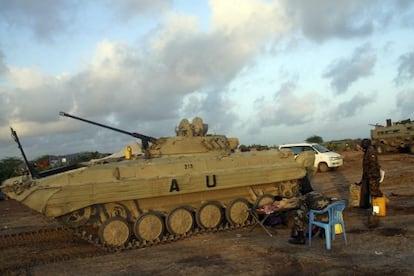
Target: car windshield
point(320, 148)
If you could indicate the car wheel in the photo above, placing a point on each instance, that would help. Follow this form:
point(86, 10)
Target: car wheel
point(323, 167)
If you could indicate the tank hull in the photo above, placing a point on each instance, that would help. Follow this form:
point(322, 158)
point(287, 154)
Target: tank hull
point(160, 183)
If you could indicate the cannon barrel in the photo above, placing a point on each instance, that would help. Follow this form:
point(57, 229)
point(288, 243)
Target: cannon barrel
point(144, 138)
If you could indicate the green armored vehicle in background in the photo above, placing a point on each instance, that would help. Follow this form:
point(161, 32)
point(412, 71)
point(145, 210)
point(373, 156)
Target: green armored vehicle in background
point(172, 187)
point(394, 137)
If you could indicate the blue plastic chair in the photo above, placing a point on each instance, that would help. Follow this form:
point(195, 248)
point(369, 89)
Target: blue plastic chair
point(334, 211)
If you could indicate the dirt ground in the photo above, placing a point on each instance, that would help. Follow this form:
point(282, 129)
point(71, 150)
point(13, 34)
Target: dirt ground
point(385, 250)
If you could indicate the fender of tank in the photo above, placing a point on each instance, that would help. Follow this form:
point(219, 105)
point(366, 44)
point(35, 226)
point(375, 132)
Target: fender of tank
point(394, 136)
point(192, 180)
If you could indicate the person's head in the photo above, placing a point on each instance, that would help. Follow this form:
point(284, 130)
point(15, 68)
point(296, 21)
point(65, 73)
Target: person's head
point(365, 143)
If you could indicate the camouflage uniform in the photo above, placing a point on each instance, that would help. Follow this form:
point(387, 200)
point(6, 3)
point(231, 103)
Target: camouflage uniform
point(311, 200)
point(370, 185)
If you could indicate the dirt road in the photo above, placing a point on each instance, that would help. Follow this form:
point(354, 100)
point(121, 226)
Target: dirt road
point(385, 250)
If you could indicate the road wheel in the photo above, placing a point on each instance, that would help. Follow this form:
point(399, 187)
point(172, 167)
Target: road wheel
point(149, 226)
point(114, 232)
point(323, 167)
point(237, 212)
point(209, 215)
point(264, 200)
point(180, 221)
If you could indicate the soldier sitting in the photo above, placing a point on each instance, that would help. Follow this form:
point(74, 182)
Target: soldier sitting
point(309, 199)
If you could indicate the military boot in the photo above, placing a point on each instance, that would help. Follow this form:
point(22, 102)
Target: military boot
point(299, 239)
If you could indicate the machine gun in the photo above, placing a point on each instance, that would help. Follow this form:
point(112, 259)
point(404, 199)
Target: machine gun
point(29, 166)
point(144, 139)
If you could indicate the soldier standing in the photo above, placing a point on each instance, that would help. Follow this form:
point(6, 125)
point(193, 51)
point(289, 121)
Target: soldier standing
point(370, 182)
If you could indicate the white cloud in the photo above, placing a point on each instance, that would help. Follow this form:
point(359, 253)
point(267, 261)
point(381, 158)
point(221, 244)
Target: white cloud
point(249, 18)
point(44, 18)
point(132, 8)
point(405, 68)
point(147, 83)
point(176, 26)
point(405, 103)
point(351, 107)
point(287, 108)
point(321, 20)
point(345, 71)
point(27, 78)
point(3, 67)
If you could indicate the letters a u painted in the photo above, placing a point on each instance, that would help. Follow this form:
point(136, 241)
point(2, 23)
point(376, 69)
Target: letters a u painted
point(211, 185)
point(174, 186)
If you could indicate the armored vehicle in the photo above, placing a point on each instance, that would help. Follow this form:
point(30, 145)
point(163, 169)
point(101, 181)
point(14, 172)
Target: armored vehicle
point(173, 187)
point(394, 136)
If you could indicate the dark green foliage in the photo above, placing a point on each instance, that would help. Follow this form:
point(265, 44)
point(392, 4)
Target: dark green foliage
point(86, 156)
point(12, 166)
point(343, 145)
point(314, 139)
point(9, 167)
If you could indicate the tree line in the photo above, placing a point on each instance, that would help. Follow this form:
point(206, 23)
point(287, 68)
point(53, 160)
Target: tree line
point(13, 166)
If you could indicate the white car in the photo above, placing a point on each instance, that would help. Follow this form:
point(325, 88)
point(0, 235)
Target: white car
point(324, 158)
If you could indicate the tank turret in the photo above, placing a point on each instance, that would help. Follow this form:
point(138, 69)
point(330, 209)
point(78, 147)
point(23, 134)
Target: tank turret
point(191, 138)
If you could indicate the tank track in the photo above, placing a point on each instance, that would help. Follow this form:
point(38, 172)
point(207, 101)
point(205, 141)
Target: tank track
point(75, 244)
point(134, 243)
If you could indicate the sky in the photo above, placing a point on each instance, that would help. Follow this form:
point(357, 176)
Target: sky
point(266, 72)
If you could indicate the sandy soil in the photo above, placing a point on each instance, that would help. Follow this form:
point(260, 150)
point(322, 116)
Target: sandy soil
point(386, 250)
